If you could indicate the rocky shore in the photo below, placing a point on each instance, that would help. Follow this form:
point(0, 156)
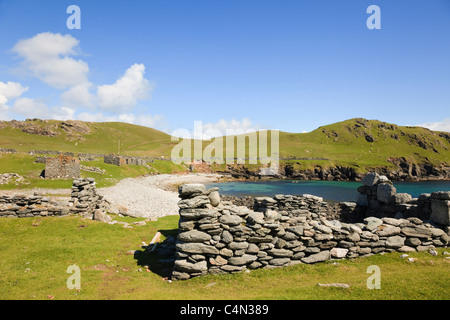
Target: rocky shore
point(402, 170)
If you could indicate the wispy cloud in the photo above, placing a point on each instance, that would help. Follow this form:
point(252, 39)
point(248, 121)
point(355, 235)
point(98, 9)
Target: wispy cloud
point(47, 56)
point(443, 125)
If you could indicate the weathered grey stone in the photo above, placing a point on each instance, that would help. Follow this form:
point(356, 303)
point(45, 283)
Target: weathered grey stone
point(226, 252)
point(317, 257)
point(197, 213)
point(196, 202)
point(389, 231)
point(194, 236)
point(338, 253)
point(323, 228)
point(226, 237)
point(185, 266)
point(440, 211)
point(267, 238)
point(231, 220)
point(279, 261)
point(440, 195)
point(196, 248)
point(232, 268)
point(218, 261)
point(256, 218)
point(280, 252)
point(395, 242)
point(255, 265)
point(355, 237)
point(406, 249)
point(252, 249)
point(297, 230)
point(214, 198)
point(417, 232)
point(244, 259)
point(192, 189)
point(100, 215)
point(177, 275)
point(413, 242)
point(372, 222)
point(385, 191)
point(400, 198)
point(238, 245)
point(392, 221)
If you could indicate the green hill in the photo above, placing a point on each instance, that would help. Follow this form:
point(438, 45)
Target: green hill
point(336, 151)
point(368, 143)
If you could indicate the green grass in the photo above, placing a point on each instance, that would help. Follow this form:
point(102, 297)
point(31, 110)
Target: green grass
point(47, 246)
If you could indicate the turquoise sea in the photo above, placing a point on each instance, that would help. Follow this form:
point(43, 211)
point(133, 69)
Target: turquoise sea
point(329, 190)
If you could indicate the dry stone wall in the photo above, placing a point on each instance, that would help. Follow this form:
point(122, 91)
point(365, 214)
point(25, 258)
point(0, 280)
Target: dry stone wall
point(218, 237)
point(84, 201)
point(20, 206)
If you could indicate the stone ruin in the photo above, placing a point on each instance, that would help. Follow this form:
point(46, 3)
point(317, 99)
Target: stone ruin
point(62, 166)
point(219, 237)
point(84, 201)
point(119, 160)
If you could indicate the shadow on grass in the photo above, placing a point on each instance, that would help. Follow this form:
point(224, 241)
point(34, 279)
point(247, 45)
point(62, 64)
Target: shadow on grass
point(159, 260)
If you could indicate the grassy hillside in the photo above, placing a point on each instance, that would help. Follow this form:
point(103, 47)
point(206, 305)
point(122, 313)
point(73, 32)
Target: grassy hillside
point(357, 143)
point(367, 143)
point(84, 137)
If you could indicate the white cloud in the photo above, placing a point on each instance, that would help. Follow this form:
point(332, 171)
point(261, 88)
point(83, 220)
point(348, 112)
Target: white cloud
point(31, 108)
point(47, 57)
point(223, 127)
point(50, 58)
point(146, 120)
point(229, 127)
point(10, 90)
point(443, 125)
point(124, 94)
point(79, 96)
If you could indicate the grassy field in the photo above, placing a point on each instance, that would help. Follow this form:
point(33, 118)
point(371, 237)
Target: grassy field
point(36, 253)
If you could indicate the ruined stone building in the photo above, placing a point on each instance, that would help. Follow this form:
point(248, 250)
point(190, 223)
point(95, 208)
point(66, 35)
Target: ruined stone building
point(62, 166)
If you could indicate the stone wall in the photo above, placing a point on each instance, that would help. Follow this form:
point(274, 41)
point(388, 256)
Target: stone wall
point(20, 206)
point(379, 197)
point(84, 200)
point(62, 166)
point(218, 237)
point(124, 160)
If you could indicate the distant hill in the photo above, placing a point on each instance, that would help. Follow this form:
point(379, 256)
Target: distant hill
point(355, 145)
point(84, 137)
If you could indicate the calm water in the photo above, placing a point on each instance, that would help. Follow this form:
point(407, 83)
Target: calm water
point(329, 190)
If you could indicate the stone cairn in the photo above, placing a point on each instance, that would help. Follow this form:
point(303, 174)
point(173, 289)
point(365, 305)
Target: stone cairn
point(218, 237)
point(86, 201)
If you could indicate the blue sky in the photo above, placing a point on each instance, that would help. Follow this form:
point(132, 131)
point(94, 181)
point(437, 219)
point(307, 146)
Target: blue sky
point(291, 65)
